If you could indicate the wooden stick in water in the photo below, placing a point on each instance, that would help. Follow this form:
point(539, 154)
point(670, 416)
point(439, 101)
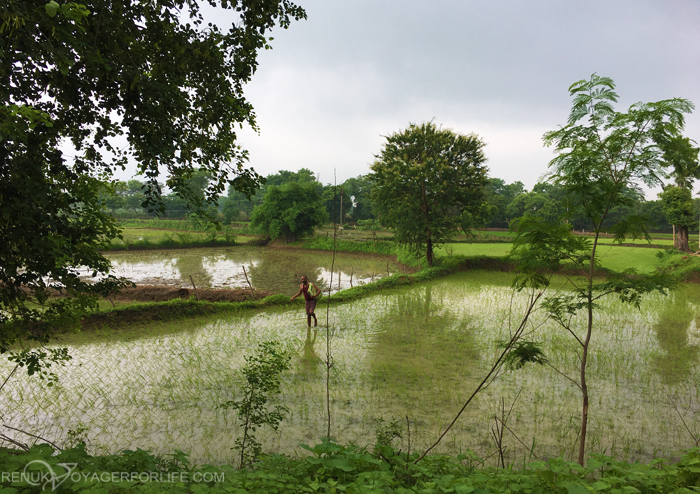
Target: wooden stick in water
point(196, 293)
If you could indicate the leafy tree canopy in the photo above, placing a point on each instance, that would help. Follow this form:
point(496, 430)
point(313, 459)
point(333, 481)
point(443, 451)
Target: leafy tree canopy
point(499, 195)
point(428, 182)
point(289, 211)
point(359, 190)
point(246, 203)
point(79, 75)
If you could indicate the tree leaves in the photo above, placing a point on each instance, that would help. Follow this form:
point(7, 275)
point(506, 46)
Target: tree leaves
point(84, 74)
point(289, 211)
point(425, 179)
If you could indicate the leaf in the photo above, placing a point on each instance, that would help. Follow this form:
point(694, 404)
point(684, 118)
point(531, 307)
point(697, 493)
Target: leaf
point(343, 464)
point(52, 8)
point(463, 489)
point(574, 489)
point(523, 352)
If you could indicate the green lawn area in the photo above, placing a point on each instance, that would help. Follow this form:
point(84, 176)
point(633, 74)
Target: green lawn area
point(155, 236)
point(134, 234)
point(612, 257)
point(654, 241)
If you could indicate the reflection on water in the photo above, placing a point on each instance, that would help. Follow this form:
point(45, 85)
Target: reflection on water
point(417, 352)
point(309, 361)
point(677, 323)
point(420, 347)
point(268, 269)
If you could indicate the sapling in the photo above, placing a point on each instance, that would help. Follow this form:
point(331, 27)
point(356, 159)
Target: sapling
point(262, 381)
point(601, 158)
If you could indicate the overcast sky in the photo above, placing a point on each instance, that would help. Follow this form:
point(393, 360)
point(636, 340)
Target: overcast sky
point(355, 71)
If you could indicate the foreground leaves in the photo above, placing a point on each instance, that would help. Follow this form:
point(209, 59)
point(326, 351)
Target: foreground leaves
point(337, 468)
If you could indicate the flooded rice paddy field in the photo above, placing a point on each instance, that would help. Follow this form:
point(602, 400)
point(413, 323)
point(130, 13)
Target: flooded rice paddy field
point(417, 352)
point(268, 269)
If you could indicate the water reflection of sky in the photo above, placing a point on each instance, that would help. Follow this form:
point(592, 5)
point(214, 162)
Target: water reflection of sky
point(269, 269)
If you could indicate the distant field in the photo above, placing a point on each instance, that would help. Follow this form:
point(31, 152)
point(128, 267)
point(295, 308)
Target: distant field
point(612, 257)
point(133, 234)
point(152, 235)
point(641, 242)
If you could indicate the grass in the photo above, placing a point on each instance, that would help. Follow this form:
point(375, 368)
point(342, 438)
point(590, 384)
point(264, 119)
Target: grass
point(148, 239)
point(684, 267)
point(357, 246)
point(615, 258)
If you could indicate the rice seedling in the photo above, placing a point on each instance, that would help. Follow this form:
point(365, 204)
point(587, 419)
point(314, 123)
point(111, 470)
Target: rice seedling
point(414, 351)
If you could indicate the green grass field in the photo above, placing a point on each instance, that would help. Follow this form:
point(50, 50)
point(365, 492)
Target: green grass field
point(154, 236)
point(612, 257)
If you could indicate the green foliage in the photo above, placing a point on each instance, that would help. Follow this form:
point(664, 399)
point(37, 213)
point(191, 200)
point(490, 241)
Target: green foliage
point(545, 201)
point(85, 74)
point(428, 182)
point(677, 204)
point(178, 241)
point(521, 353)
point(370, 225)
point(289, 211)
point(679, 266)
point(231, 212)
point(499, 196)
point(385, 432)
point(246, 203)
point(326, 243)
point(359, 189)
point(682, 156)
point(262, 381)
point(332, 467)
point(602, 154)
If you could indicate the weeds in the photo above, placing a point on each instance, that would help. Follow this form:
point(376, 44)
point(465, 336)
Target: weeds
point(262, 382)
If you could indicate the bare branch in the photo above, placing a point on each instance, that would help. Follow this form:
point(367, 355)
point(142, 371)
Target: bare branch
point(32, 435)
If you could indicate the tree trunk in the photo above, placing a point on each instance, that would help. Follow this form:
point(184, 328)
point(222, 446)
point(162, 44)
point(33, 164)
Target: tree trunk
point(429, 253)
point(584, 355)
point(681, 240)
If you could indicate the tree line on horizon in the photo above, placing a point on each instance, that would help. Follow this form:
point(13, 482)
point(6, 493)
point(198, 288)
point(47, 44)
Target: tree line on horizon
point(503, 202)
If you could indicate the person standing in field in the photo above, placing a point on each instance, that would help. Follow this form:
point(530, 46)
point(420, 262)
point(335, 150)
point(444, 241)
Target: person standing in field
point(310, 297)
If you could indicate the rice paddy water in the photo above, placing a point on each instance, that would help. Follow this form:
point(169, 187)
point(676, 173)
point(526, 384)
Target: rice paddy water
point(269, 269)
point(414, 354)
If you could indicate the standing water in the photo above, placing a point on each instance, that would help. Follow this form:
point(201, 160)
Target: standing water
point(268, 269)
point(412, 354)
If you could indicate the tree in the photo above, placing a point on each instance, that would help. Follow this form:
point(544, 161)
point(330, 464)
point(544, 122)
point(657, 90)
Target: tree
point(682, 157)
point(246, 204)
point(677, 203)
point(546, 201)
point(360, 191)
point(262, 382)
point(371, 226)
point(499, 197)
point(230, 212)
point(289, 211)
point(81, 75)
point(653, 211)
point(601, 154)
point(428, 182)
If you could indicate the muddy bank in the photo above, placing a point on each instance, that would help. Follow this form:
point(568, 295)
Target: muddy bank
point(154, 293)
